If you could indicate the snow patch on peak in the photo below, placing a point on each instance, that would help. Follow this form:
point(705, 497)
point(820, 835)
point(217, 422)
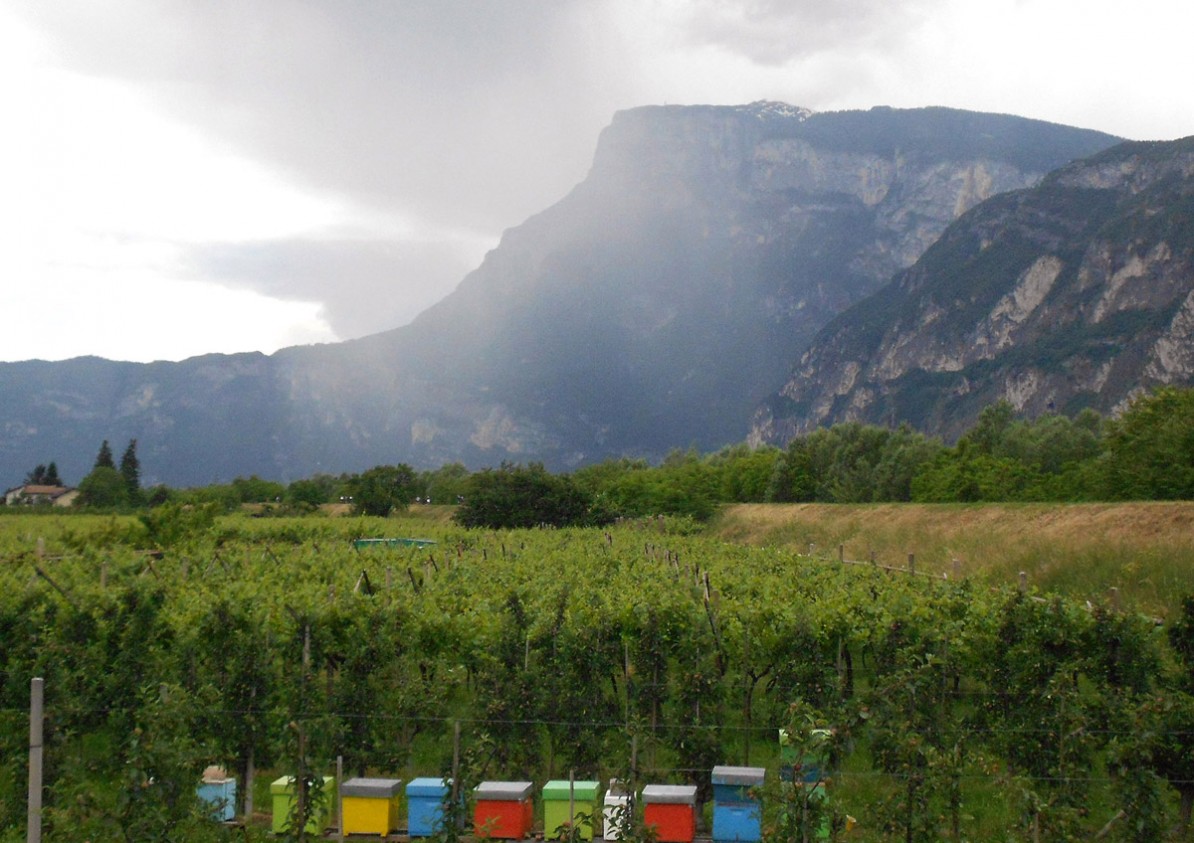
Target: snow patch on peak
point(769, 109)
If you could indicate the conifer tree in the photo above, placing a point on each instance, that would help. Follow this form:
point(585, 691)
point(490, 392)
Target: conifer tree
point(130, 470)
point(104, 458)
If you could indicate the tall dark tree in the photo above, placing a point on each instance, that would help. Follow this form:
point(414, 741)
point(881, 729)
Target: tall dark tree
point(43, 475)
point(130, 470)
point(104, 458)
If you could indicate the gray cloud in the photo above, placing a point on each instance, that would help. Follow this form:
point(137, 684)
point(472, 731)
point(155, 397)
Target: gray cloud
point(366, 286)
point(469, 114)
point(452, 115)
point(773, 32)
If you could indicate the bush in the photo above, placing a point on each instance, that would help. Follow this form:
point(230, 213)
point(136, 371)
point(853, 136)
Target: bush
point(514, 496)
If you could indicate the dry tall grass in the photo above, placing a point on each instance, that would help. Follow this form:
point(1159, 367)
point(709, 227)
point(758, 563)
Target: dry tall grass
point(1146, 550)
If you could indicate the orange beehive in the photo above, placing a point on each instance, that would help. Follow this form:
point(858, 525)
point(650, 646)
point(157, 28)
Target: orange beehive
point(503, 809)
point(671, 809)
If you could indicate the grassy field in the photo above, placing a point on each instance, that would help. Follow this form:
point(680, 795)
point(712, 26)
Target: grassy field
point(1146, 550)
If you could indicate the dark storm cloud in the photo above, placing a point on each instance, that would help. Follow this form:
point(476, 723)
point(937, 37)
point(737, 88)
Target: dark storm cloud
point(366, 286)
point(470, 114)
point(445, 115)
point(458, 116)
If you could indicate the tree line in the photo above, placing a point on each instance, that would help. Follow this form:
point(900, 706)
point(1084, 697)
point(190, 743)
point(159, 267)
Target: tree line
point(1146, 453)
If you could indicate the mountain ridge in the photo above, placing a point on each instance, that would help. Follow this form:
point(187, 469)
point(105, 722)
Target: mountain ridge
point(1078, 292)
point(653, 307)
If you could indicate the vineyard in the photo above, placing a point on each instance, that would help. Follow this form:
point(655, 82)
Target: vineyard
point(645, 651)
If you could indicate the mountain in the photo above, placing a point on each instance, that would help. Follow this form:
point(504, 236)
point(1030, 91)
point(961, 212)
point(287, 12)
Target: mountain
point(653, 307)
point(1076, 293)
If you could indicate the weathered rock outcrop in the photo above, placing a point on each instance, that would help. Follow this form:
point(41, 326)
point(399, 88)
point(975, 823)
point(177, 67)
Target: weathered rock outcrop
point(1076, 293)
point(653, 307)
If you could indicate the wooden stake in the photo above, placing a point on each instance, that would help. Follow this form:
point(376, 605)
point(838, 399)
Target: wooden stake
point(57, 587)
point(633, 762)
point(250, 771)
point(455, 761)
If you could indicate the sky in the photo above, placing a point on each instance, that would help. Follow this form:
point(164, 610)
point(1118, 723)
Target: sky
point(180, 178)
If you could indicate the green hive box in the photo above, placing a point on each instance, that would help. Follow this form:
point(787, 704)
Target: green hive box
point(284, 797)
point(555, 806)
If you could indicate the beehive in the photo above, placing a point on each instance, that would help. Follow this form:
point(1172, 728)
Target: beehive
point(503, 810)
point(370, 806)
point(671, 809)
point(557, 795)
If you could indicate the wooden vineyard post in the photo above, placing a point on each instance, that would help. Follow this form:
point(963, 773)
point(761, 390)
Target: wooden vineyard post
point(455, 761)
point(912, 564)
point(1023, 582)
point(36, 718)
point(633, 762)
point(250, 771)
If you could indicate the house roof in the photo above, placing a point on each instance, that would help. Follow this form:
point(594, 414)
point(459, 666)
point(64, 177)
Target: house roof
point(51, 491)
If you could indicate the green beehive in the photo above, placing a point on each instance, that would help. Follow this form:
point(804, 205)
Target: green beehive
point(282, 791)
point(557, 795)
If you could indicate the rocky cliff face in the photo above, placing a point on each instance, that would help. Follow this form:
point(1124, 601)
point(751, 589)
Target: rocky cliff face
point(1076, 293)
point(653, 307)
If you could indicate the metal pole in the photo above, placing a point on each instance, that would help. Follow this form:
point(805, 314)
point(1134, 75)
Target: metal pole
point(340, 798)
point(37, 689)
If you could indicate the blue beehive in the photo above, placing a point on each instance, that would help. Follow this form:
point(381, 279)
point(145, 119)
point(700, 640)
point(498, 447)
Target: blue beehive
point(218, 792)
point(425, 805)
point(736, 810)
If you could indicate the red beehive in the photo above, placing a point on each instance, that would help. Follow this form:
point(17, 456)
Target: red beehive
point(671, 808)
point(503, 809)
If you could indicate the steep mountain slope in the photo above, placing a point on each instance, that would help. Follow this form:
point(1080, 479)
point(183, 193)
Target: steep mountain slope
point(653, 307)
point(1076, 293)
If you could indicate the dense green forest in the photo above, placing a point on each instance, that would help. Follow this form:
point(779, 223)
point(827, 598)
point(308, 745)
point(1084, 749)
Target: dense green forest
point(1147, 453)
